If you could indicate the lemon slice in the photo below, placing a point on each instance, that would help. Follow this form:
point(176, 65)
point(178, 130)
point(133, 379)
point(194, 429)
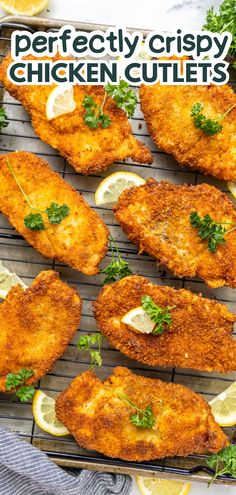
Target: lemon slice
point(7, 281)
point(112, 186)
point(60, 101)
point(156, 486)
point(45, 415)
point(224, 406)
point(23, 7)
point(142, 55)
point(138, 320)
point(232, 188)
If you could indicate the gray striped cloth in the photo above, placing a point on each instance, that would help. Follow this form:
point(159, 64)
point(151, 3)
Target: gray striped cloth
point(25, 470)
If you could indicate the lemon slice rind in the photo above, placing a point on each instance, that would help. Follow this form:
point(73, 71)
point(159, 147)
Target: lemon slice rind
point(45, 415)
point(60, 101)
point(223, 406)
point(232, 188)
point(112, 186)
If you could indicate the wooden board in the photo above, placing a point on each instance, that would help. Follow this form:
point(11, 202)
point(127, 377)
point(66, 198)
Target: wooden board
point(18, 256)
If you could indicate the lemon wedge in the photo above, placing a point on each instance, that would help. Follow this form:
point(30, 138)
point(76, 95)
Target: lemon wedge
point(232, 188)
point(156, 486)
point(142, 55)
point(60, 101)
point(23, 7)
point(138, 320)
point(45, 415)
point(7, 281)
point(224, 406)
point(112, 186)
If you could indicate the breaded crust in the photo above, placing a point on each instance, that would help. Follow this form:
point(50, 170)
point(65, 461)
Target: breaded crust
point(100, 420)
point(80, 240)
point(88, 150)
point(37, 325)
point(167, 111)
point(156, 217)
point(199, 337)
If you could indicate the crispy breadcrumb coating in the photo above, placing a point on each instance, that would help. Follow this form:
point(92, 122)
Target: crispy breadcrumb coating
point(37, 325)
point(80, 240)
point(156, 217)
point(199, 336)
point(100, 420)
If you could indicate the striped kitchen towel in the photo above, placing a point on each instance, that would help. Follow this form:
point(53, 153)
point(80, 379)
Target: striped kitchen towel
point(25, 470)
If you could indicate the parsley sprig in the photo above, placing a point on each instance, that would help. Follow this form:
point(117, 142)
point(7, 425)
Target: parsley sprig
point(117, 268)
point(210, 231)
point(94, 116)
point(160, 316)
point(3, 118)
point(225, 20)
point(210, 127)
point(143, 418)
point(124, 98)
point(34, 221)
point(223, 463)
point(16, 382)
point(86, 341)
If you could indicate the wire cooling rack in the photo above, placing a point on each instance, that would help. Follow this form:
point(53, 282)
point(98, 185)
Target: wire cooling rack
point(18, 256)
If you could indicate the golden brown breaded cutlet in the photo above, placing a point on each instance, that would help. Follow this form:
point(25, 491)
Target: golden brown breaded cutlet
point(88, 150)
point(80, 240)
point(100, 420)
point(167, 111)
point(199, 336)
point(156, 217)
point(37, 325)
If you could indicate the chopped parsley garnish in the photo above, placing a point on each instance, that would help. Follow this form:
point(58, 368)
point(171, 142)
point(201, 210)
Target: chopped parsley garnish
point(225, 20)
point(86, 341)
point(210, 127)
point(160, 316)
point(3, 118)
point(143, 418)
point(209, 230)
point(117, 268)
point(124, 98)
point(223, 463)
point(34, 221)
point(15, 380)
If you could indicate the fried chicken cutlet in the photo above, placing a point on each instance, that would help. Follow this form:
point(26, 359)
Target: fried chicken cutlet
point(100, 419)
point(87, 150)
point(167, 111)
point(199, 336)
point(37, 325)
point(156, 217)
point(79, 240)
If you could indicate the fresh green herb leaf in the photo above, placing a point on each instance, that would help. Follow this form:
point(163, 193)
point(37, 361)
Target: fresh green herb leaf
point(160, 316)
point(123, 96)
point(25, 393)
point(86, 341)
point(210, 127)
point(210, 230)
point(117, 268)
point(225, 20)
point(94, 116)
point(143, 418)
point(223, 463)
point(34, 221)
point(57, 212)
point(15, 380)
point(3, 118)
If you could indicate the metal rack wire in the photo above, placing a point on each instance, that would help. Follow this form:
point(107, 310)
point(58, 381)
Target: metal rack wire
point(18, 256)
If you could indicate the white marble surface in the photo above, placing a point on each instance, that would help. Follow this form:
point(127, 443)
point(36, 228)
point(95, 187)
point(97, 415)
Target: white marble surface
point(150, 14)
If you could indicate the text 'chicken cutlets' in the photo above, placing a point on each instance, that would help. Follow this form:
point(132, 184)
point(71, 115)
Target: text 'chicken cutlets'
point(198, 337)
point(37, 325)
point(88, 150)
point(156, 217)
point(79, 240)
point(167, 111)
point(99, 418)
